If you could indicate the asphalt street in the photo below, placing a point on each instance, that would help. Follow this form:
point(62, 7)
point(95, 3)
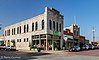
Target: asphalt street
point(19, 55)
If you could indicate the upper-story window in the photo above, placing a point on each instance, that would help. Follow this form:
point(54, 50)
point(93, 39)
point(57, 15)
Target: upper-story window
point(27, 28)
point(8, 32)
point(57, 26)
point(32, 26)
point(24, 28)
point(20, 40)
point(20, 29)
point(36, 26)
point(17, 30)
point(24, 39)
point(27, 39)
point(54, 25)
point(17, 40)
point(50, 24)
point(42, 24)
point(8, 40)
point(14, 31)
point(60, 27)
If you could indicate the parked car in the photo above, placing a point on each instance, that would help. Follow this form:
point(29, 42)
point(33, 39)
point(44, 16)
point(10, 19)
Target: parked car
point(96, 46)
point(74, 48)
point(91, 46)
point(2, 47)
point(85, 47)
point(8, 48)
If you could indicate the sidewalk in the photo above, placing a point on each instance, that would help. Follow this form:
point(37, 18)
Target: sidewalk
point(44, 51)
point(51, 52)
point(56, 52)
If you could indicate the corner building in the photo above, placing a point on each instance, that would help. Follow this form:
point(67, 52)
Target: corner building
point(45, 30)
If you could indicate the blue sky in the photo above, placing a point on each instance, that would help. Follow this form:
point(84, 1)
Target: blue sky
point(86, 12)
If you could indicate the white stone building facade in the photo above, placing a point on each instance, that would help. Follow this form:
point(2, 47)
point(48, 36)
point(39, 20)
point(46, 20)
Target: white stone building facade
point(45, 30)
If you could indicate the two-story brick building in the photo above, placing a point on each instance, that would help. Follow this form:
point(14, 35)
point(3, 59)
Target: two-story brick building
point(72, 34)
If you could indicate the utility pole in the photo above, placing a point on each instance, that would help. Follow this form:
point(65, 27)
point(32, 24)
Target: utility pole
point(93, 30)
point(0, 26)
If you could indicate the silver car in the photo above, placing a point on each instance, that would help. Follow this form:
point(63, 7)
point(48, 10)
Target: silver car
point(74, 48)
point(85, 47)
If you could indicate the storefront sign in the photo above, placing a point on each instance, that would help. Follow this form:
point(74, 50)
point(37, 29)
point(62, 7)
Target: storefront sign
point(55, 33)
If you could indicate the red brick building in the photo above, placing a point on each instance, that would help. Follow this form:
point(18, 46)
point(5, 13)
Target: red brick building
point(73, 36)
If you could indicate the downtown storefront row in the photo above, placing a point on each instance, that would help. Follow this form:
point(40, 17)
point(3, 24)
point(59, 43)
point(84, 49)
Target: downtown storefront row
point(46, 42)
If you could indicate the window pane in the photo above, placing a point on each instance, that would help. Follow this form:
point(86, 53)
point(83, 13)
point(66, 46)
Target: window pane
point(14, 31)
point(60, 27)
point(42, 24)
point(24, 39)
point(27, 39)
point(20, 29)
point(17, 30)
point(50, 24)
point(54, 25)
point(36, 26)
point(32, 26)
point(57, 26)
point(27, 27)
point(24, 28)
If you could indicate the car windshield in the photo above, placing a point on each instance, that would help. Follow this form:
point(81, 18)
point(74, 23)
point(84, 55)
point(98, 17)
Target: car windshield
point(85, 45)
point(76, 46)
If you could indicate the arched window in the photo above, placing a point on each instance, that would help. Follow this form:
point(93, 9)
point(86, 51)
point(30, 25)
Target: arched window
point(17, 30)
point(54, 25)
point(27, 27)
point(57, 26)
point(14, 31)
point(36, 26)
point(20, 29)
point(24, 28)
point(42, 24)
point(50, 24)
point(60, 27)
point(32, 26)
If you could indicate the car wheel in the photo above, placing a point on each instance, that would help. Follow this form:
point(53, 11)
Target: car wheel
point(70, 50)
